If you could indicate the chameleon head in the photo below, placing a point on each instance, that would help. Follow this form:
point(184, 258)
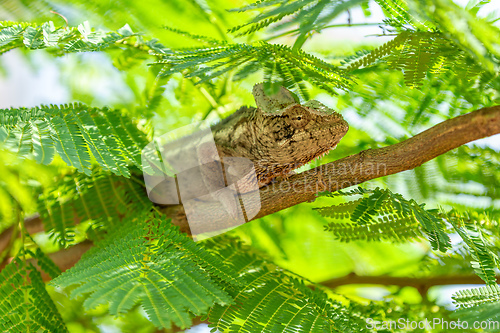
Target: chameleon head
point(291, 134)
point(299, 133)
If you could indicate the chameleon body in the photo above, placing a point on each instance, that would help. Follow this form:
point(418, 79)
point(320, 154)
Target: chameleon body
point(246, 151)
point(252, 147)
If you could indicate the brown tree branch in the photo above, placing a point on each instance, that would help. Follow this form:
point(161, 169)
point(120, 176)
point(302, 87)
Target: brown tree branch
point(421, 284)
point(369, 164)
point(64, 259)
point(364, 166)
point(375, 163)
point(418, 283)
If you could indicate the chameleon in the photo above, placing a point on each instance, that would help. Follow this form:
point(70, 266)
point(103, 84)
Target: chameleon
point(280, 134)
point(254, 146)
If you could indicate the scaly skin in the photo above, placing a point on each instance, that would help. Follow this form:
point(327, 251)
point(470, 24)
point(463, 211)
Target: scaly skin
point(279, 142)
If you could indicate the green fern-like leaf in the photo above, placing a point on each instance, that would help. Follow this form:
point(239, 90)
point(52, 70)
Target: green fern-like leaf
point(471, 297)
point(96, 41)
point(59, 40)
point(417, 53)
point(484, 259)
point(397, 9)
point(433, 226)
point(340, 211)
point(25, 305)
point(369, 206)
point(366, 59)
point(33, 37)
point(276, 60)
point(419, 60)
point(45, 263)
point(475, 35)
point(76, 133)
point(389, 227)
point(270, 300)
point(488, 314)
point(282, 9)
point(309, 15)
point(145, 262)
point(399, 13)
point(102, 198)
point(341, 193)
point(199, 38)
point(10, 37)
point(393, 209)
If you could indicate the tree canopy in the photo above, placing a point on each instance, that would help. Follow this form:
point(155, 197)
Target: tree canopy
point(405, 207)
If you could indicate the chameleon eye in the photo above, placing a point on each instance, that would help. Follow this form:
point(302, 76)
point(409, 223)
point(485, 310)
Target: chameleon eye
point(297, 116)
point(298, 120)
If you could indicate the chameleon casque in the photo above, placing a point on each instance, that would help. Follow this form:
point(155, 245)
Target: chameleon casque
point(272, 139)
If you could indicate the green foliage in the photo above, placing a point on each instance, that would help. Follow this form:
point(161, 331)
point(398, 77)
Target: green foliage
point(365, 59)
point(342, 193)
point(472, 297)
point(21, 181)
point(149, 262)
point(437, 45)
point(281, 9)
point(475, 35)
point(393, 228)
point(415, 52)
point(340, 211)
point(397, 222)
point(484, 259)
point(269, 299)
point(25, 304)
point(487, 313)
point(449, 60)
point(282, 65)
point(398, 11)
point(145, 261)
point(473, 229)
point(397, 217)
point(477, 167)
point(102, 198)
point(59, 40)
point(418, 53)
point(76, 133)
point(309, 15)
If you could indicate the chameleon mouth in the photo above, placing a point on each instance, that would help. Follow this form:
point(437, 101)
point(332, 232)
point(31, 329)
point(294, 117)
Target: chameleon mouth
point(322, 153)
point(325, 152)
